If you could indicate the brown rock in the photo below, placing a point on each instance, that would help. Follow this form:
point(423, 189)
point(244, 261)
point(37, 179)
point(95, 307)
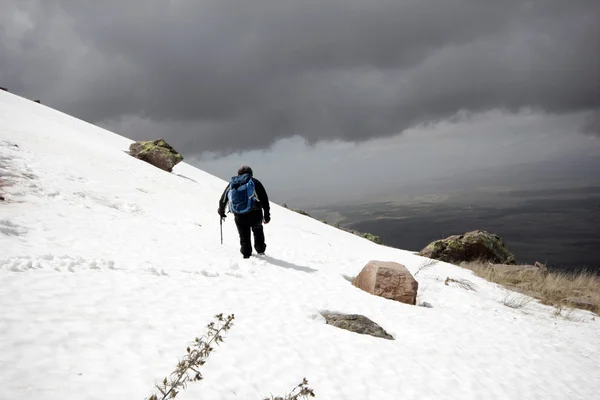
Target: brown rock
point(389, 280)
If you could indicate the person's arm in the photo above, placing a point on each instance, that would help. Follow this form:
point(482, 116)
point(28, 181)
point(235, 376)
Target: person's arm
point(223, 202)
point(263, 199)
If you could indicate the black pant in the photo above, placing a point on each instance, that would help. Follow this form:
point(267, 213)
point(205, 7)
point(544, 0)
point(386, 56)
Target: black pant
point(245, 223)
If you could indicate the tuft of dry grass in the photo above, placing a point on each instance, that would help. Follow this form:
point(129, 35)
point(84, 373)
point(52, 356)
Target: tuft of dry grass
point(559, 289)
point(566, 313)
point(515, 300)
point(425, 265)
point(461, 283)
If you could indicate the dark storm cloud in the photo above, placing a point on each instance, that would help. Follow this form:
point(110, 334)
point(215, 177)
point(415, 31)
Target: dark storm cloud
point(232, 75)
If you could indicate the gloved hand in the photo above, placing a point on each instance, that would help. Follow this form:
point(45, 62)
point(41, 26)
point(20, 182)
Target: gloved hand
point(267, 218)
point(222, 213)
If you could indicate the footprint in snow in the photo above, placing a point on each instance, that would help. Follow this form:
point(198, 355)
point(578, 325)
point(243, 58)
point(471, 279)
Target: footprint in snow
point(156, 272)
point(9, 228)
point(55, 263)
point(234, 274)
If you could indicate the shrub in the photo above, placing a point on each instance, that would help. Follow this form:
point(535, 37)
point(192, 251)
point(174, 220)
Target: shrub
point(188, 368)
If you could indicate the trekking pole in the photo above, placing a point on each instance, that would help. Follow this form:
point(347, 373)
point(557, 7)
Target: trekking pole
point(221, 223)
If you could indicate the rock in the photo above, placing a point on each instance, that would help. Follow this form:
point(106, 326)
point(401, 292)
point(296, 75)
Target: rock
point(426, 305)
point(366, 235)
point(388, 279)
point(522, 270)
point(583, 303)
point(356, 323)
point(37, 101)
point(472, 246)
point(3, 88)
point(1, 198)
point(372, 238)
point(156, 152)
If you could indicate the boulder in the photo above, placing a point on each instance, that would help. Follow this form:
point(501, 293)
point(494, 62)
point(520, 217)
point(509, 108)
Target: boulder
point(472, 246)
point(583, 303)
point(156, 152)
point(388, 279)
point(522, 270)
point(356, 323)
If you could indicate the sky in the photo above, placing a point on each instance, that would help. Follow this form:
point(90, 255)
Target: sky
point(328, 99)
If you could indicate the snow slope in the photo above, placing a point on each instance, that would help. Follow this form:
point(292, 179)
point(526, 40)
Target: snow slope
point(110, 267)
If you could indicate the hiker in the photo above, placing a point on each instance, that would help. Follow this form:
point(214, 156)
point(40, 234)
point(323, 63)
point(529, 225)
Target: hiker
point(247, 200)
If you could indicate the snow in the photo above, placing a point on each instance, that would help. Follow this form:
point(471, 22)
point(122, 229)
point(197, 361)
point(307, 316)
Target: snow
point(109, 268)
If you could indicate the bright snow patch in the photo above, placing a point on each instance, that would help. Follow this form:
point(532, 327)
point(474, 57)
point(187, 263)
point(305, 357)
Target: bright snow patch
point(109, 267)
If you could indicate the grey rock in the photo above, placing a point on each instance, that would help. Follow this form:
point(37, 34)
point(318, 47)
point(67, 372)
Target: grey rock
point(356, 323)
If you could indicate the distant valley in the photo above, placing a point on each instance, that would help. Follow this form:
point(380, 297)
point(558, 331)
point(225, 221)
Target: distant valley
point(560, 227)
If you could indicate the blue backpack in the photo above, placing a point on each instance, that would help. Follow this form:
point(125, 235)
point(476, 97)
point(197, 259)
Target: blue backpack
point(242, 194)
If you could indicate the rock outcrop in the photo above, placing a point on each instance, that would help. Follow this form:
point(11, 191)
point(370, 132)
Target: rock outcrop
point(388, 279)
point(156, 152)
point(356, 323)
point(472, 246)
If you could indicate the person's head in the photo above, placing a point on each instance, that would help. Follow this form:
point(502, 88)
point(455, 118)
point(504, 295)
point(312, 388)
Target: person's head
point(245, 170)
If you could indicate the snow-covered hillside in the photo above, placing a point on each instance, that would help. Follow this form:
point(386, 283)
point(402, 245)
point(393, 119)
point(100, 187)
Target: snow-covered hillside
point(110, 267)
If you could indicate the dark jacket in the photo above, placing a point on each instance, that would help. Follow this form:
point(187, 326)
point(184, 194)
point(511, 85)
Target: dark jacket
point(261, 193)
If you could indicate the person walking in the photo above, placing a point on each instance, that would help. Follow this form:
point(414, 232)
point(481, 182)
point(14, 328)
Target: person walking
point(248, 201)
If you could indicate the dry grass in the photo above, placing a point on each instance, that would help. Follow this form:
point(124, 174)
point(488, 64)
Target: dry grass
point(425, 265)
point(566, 313)
point(558, 289)
point(461, 283)
point(515, 300)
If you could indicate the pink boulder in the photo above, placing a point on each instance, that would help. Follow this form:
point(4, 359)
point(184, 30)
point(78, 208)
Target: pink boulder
point(388, 279)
